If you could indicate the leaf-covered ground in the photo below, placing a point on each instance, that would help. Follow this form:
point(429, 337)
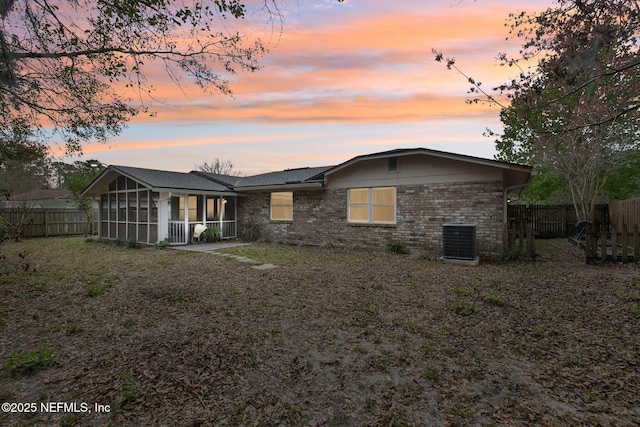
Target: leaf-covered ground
point(333, 337)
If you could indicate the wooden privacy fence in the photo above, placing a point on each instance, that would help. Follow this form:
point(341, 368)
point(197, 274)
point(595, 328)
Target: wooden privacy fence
point(44, 222)
point(519, 235)
point(618, 245)
point(625, 212)
point(550, 221)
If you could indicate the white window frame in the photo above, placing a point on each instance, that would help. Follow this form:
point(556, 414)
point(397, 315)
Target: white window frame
point(272, 205)
point(371, 205)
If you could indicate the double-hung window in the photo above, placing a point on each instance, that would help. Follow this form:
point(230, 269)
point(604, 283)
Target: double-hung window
point(282, 206)
point(375, 205)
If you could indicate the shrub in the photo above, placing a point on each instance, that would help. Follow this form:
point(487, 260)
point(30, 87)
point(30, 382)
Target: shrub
point(163, 244)
point(396, 248)
point(211, 234)
point(134, 244)
point(250, 231)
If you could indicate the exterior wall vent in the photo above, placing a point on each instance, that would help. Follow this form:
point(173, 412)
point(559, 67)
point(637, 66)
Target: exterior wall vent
point(392, 164)
point(459, 243)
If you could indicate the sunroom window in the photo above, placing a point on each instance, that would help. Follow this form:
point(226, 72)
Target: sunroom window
point(375, 205)
point(282, 206)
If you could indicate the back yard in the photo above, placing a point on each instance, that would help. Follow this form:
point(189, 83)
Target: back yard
point(333, 337)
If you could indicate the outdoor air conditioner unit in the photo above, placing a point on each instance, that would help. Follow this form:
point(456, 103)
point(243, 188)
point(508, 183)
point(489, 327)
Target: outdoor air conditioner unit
point(459, 243)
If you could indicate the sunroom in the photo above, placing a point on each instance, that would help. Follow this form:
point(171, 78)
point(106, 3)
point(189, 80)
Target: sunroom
point(151, 205)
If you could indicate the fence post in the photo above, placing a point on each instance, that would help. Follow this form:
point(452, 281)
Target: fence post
point(625, 243)
point(614, 244)
point(636, 244)
point(46, 223)
point(590, 244)
point(521, 235)
point(531, 244)
point(603, 241)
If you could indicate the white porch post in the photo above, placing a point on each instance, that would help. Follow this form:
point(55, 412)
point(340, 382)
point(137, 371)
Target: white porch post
point(186, 219)
point(221, 216)
point(164, 208)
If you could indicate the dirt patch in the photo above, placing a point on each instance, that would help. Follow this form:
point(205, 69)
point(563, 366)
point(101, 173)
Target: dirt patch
point(331, 337)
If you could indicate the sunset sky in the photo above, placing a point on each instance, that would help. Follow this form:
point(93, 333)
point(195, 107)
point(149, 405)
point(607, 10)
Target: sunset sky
point(342, 79)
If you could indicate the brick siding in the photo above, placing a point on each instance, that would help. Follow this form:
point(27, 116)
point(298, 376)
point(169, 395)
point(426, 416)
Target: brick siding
point(321, 216)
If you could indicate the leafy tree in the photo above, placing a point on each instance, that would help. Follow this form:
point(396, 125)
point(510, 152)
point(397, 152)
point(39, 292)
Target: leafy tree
point(218, 166)
point(76, 178)
point(575, 113)
point(23, 161)
point(24, 167)
point(60, 62)
point(624, 182)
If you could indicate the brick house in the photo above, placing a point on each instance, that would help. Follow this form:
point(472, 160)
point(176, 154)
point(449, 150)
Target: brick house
point(403, 195)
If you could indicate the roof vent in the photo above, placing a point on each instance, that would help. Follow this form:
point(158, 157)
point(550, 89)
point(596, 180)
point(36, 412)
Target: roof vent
point(459, 243)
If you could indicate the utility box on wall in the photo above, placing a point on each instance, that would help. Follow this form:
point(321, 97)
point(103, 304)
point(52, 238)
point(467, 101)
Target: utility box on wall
point(459, 243)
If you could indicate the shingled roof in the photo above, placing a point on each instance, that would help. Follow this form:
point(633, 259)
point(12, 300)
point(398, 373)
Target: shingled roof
point(170, 180)
point(286, 180)
point(433, 153)
point(299, 176)
point(157, 180)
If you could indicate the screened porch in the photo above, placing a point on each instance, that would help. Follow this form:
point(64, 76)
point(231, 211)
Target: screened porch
point(186, 211)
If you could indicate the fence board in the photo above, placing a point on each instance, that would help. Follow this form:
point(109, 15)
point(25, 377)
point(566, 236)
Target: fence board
point(618, 245)
point(625, 212)
point(550, 221)
point(45, 222)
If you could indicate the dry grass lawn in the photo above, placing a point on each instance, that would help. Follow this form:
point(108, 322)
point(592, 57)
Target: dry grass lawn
point(334, 337)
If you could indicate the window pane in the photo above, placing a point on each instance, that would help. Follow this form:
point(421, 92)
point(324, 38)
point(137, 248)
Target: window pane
point(383, 214)
point(112, 206)
point(177, 208)
point(122, 231)
point(193, 209)
point(154, 206)
point(384, 196)
point(104, 207)
point(284, 213)
point(143, 211)
point(132, 232)
point(359, 213)
point(122, 207)
point(133, 205)
point(153, 234)
point(142, 233)
point(230, 208)
point(211, 209)
point(131, 184)
point(359, 196)
point(282, 198)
